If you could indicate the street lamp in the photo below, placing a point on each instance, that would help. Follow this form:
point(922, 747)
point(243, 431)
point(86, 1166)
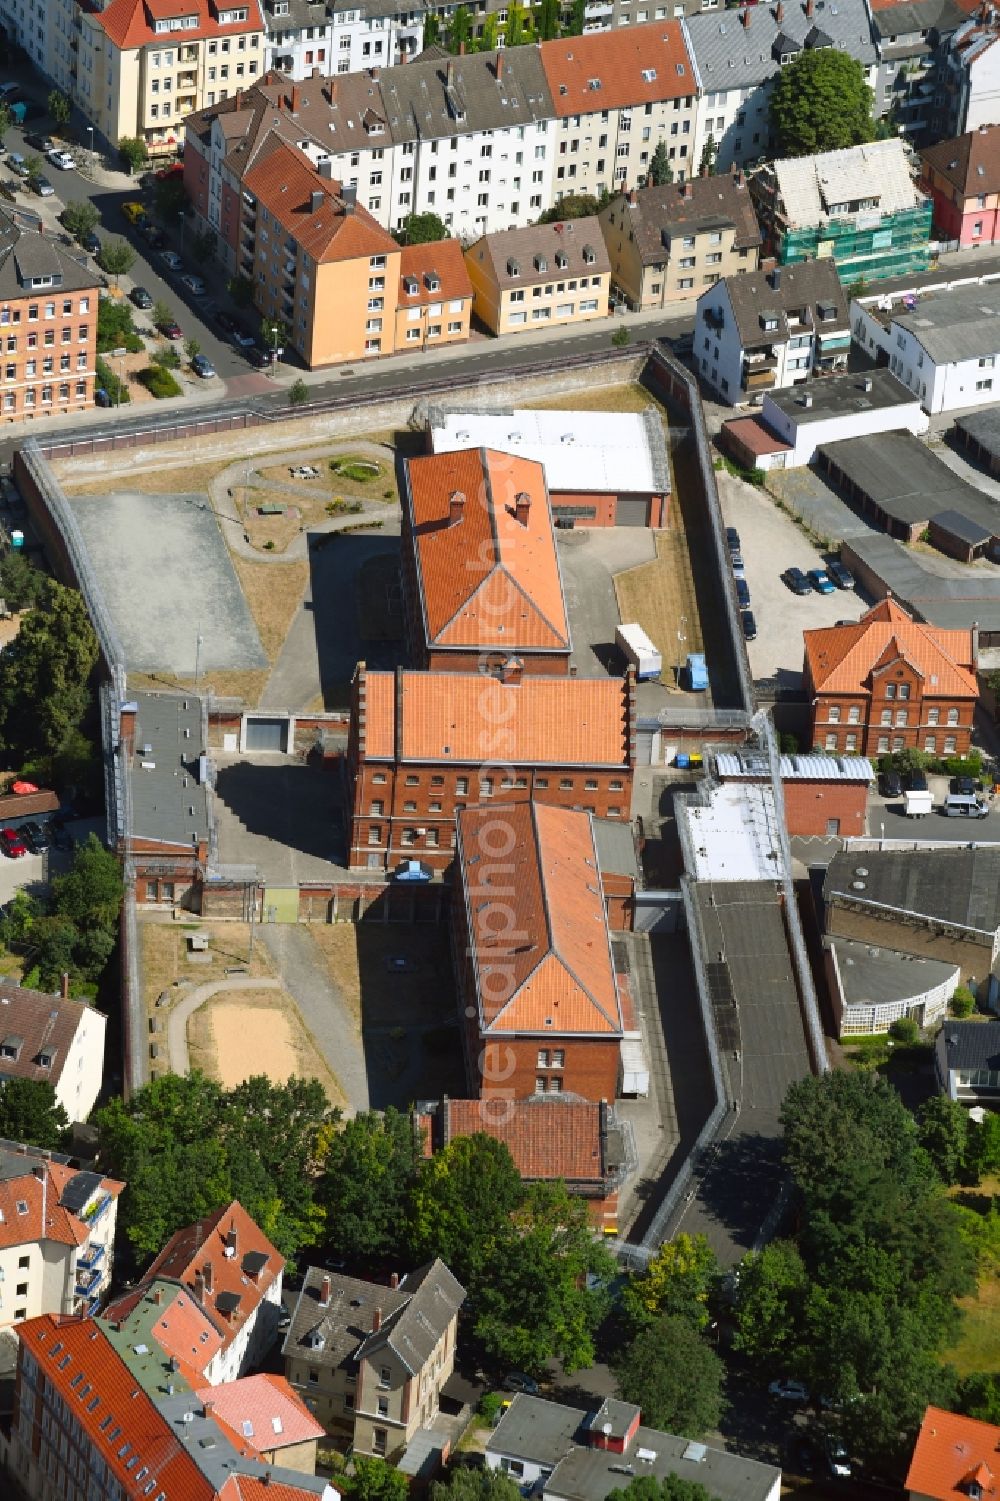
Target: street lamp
point(681, 642)
point(119, 354)
point(181, 218)
point(90, 142)
point(199, 643)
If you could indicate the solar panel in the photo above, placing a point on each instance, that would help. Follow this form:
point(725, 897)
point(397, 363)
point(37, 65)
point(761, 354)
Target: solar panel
point(79, 1191)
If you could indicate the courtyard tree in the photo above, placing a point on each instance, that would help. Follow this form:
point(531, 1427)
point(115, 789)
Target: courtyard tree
point(34, 171)
point(461, 1206)
point(674, 1376)
point(369, 1171)
point(678, 1280)
point(466, 1484)
point(821, 102)
point(80, 218)
point(660, 170)
point(29, 1112)
point(133, 153)
point(45, 674)
point(59, 107)
point(422, 229)
point(944, 1136)
point(117, 258)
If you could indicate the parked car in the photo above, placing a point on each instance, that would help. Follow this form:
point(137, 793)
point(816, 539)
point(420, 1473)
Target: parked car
point(91, 243)
point(517, 1381)
point(134, 212)
point(194, 284)
point(789, 1391)
point(840, 575)
point(17, 164)
point(13, 845)
point(796, 581)
point(58, 832)
point(39, 142)
point(915, 781)
point(171, 260)
point(64, 160)
point(743, 593)
point(803, 1456)
point(820, 580)
point(891, 784)
point(141, 298)
point(733, 539)
point(34, 837)
point(736, 560)
point(171, 330)
point(203, 367)
point(749, 625)
point(242, 340)
point(44, 188)
point(966, 786)
point(837, 1460)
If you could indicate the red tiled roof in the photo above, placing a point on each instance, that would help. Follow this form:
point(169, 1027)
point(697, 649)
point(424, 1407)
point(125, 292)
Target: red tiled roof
point(486, 579)
point(548, 1137)
point(21, 1225)
point(127, 23)
point(27, 805)
point(440, 258)
point(205, 1242)
point(843, 658)
point(559, 978)
point(284, 182)
point(754, 436)
point(971, 162)
point(632, 65)
point(950, 1451)
point(453, 718)
point(266, 1406)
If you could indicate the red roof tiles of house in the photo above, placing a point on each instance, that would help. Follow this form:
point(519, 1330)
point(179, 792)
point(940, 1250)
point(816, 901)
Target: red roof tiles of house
point(951, 1452)
point(548, 1137)
point(438, 261)
point(131, 23)
point(311, 208)
point(970, 162)
point(31, 1207)
point(620, 68)
point(842, 658)
point(261, 1413)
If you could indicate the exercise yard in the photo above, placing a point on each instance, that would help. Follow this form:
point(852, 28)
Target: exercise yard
point(232, 1038)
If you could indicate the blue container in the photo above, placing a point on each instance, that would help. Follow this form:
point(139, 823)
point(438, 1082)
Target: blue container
point(683, 761)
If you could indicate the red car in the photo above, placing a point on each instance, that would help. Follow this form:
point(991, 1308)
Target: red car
point(172, 331)
point(13, 845)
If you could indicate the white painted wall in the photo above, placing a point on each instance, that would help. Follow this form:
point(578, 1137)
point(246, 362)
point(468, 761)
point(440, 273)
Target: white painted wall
point(939, 388)
point(344, 42)
point(806, 436)
point(79, 1082)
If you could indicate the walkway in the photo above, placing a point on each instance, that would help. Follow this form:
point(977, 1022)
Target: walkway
point(177, 1041)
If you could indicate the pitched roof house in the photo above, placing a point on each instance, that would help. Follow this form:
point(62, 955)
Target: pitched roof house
point(56, 1041)
point(373, 1359)
point(567, 263)
point(962, 176)
point(480, 569)
point(954, 1459)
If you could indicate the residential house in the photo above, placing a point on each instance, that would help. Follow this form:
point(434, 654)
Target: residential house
point(766, 330)
point(434, 297)
point(57, 1234)
point(794, 424)
point(967, 92)
point(83, 1427)
point(944, 346)
point(480, 571)
point(860, 206)
point(967, 1062)
point(371, 1360)
point(143, 66)
point(962, 176)
point(233, 1273)
point(423, 744)
point(570, 1454)
point(601, 468)
point(56, 1041)
point(888, 682)
point(667, 244)
point(333, 37)
point(870, 987)
point(161, 773)
point(939, 903)
point(907, 35)
point(48, 326)
point(538, 277)
point(262, 1416)
point(953, 1458)
point(615, 95)
point(543, 1016)
point(738, 57)
point(823, 795)
point(551, 1138)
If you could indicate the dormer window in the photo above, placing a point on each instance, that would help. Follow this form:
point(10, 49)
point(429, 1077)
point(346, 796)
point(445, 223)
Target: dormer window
point(649, 75)
point(432, 282)
point(562, 261)
point(541, 263)
point(513, 268)
point(593, 84)
point(769, 322)
point(588, 255)
point(411, 286)
point(827, 311)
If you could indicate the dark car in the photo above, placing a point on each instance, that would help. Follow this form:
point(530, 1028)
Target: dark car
point(155, 237)
point(91, 243)
point(12, 843)
point(60, 834)
point(34, 837)
point(141, 298)
point(915, 781)
point(733, 539)
point(891, 784)
point(171, 330)
point(743, 593)
point(226, 323)
point(840, 576)
point(39, 142)
point(803, 1456)
point(749, 625)
point(258, 357)
point(966, 786)
point(797, 581)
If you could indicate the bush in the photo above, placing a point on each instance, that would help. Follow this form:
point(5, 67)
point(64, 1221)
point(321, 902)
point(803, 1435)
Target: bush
point(788, 744)
point(905, 1030)
point(298, 392)
point(489, 1407)
point(167, 358)
point(620, 338)
point(114, 387)
point(158, 382)
point(963, 1002)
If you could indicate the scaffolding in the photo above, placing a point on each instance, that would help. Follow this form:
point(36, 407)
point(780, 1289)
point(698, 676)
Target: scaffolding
point(864, 247)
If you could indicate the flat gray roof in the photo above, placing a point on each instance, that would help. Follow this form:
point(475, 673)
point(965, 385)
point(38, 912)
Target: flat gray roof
point(950, 885)
point(536, 1430)
point(169, 802)
point(955, 325)
point(952, 599)
point(907, 480)
point(841, 396)
point(615, 843)
point(589, 1474)
point(871, 975)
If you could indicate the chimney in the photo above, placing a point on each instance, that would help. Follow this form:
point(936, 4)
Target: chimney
point(207, 1408)
point(349, 198)
point(807, 402)
point(456, 506)
point(157, 1294)
point(394, 1280)
point(239, 98)
point(810, 7)
point(461, 49)
point(522, 506)
point(499, 67)
point(64, 986)
point(779, 12)
point(449, 73)
point(738, 176)
point(207, 1276)
point(39, 1172)
point(687, 191)
point(631, 195)
point(316, 200)
point(867, 383)
point(376, 1320)
point(331, 91)
point(296, 92)
point(512, 670)
point(315, 73)
point(199, 1287)
point(324, 1289)
point(745, 16)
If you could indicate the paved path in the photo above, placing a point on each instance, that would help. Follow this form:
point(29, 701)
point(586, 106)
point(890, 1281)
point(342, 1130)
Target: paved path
point(177, 1044)
point(325, 1012)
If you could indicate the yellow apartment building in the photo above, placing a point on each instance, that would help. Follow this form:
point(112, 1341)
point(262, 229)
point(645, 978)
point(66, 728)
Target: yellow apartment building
point(539, 277)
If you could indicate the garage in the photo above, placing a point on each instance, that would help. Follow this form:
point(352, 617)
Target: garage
point(265, 735)
point(632, 510)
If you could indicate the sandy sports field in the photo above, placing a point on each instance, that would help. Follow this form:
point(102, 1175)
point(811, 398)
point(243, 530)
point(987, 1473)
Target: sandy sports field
point(256, 1032)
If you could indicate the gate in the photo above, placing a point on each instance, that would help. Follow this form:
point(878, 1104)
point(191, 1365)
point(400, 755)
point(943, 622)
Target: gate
point(266, 735)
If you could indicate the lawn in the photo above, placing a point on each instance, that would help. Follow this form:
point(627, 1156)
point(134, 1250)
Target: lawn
point(362, 961)
point(164, 961)
point(978, 1349)
point(274, 592)
point(624, 398)
point(660, 596)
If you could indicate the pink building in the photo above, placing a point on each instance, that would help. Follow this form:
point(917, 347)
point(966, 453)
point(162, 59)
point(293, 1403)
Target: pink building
point(962, 176)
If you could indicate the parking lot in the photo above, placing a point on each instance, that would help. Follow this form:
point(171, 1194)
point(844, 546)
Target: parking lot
point(771, 542)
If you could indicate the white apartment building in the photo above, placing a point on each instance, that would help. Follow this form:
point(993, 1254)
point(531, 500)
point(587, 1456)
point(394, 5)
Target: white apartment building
point(968, 93)
point(944, 347)
point(326, 34)
point(56, 1041)
point(57, 1235)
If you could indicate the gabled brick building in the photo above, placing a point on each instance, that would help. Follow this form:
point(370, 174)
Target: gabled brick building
point(422, 744)
point(889, 683)
point(962, 175)
point(481, 580)
point(532, 954)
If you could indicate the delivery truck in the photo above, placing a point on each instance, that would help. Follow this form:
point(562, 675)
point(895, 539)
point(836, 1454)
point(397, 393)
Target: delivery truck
point(640, 651)
point(918, 804)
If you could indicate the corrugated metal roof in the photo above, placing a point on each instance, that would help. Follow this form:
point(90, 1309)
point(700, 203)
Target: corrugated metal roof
point(797, 768)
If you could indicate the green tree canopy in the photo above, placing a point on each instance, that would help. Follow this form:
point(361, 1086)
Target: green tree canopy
point(465, 1484)
point(660, 170)
point(59, 107)
point(670, 1488)
point(45, 674)
point(374, 1480)
point(20, 581)
point(29, 1112)
point(6, 120)
point(117, 258)
point(369, 1172)
point(771, 1294)
point(133, 153)
point(944, 1136)
point(80, 218)
point(821, 102)
point(572, 206)
point(674, 1376)
point(678, 1281)
point(518, 23)
point(461, 1206)
point(422, 229)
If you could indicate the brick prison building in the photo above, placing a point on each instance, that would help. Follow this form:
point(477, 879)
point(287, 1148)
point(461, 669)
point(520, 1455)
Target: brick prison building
point(423, 744)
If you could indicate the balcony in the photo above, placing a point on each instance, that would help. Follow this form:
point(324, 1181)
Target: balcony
point(188, 55)
point(90, 1258)
point(187, 80)
point(97, 1209)
point(87, 1284)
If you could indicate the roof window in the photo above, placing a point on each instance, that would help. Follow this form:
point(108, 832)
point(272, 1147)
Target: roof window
point(593, 84)
point(649, 75)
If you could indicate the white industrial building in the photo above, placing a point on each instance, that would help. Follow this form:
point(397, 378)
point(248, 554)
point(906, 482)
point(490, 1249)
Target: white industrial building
point(944, 346)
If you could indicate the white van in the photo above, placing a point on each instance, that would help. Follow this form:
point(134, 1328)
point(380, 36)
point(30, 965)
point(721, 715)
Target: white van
point(959, 805)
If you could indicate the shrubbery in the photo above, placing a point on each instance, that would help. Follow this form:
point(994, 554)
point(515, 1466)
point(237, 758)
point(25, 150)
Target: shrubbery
point(158, 382)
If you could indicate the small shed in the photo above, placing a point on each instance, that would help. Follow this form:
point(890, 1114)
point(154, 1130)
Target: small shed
point(959, 536)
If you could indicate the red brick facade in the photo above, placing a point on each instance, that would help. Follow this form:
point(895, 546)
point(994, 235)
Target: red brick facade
point(826, 808)
point(577, 506)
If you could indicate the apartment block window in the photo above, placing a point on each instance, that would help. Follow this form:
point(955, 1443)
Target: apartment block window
point(539, 1086)
point(375, 834)
point(883, 743)
point(566, 784)
point(933, 716)
point(851, 743)
point(558, 1058)
point(377, 808)
point(854, 714)
point(384, 1376)
point(409, 806)
point(902, 716)
point(930, 743)
point(383, 1407)
point(890, 690)
point(409, 835)
point(831, 742)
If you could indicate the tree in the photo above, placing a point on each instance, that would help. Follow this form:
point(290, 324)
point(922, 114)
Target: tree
point(370, 1168)
point(273, 335)
point(944, 1136)
point(548, 20)
point(374, 1480)
point(905, 1030)
point(963, 1002)
point(90, 894)
point(204, 244)
point(29, 1112)
point(487, 42)
point(677, 1282)
point(298, 392)
point(674, 1376)
point(80, 218)
point(709, 152)
point(979, 1396)
point(660, 170)
point(116, 258)
point(577, 18)
point(20, 581)
point(821, 102)
point(460, 29)
point(45, 674)
point(461, 1205)
point(59, 107)
point(621, 337)
point(161, 314)
point(240, 289)
point(133, 153)
point(6, 120)
point(192, 349)
point(33, 171)
point(432, 29)
point(573, 206)
point(771, 1294)
point(984, 1146)
point(422, 229)
point(465, 1484)
point(515, 31)
point(169, 197)
point(52, 951)
point(670, 1488)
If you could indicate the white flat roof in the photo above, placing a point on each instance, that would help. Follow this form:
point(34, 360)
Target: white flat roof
point(734, 835)
point(603, 452)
